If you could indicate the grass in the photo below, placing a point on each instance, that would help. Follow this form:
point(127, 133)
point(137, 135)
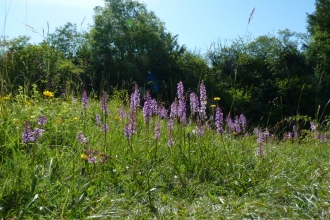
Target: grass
point(214, 176)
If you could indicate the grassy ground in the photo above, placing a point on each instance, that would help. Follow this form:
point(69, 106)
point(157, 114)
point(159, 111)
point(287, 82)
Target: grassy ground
point(210, 176)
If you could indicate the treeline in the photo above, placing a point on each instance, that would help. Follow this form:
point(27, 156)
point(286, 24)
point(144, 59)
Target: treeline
point(267, 78)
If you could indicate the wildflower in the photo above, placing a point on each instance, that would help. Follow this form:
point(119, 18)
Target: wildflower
point(118, 118)
point(121, 113)
point(260, 140)
point(27, 103)
point(98, 120)
point(174, 109)
point(135, 98)
point(81, 138)
point(170, 124)
point(42, 120)
point(216, 98)
point(104, 103)
point(128, 131)
point(5, 98)
point(237, 125)
point(203, 101)
point(213, 106)
point(193, 103)
point(105, 128)
point(84, 100)
point(149, 108)
point(181, 110)
point(84, 157)
point(170, 129)
point(58, 121)
point(74, 119)
point(242, 121)
point(289, 135)
point(93, 156)
point(37, 132)
point(157, 130)
point(28, 136)
point(161, 111)
point(170, 142)
point(32, 116)
point(230, 123)
point(218, 120)
point(48, 94)
point(313, 127)
point(201, 129)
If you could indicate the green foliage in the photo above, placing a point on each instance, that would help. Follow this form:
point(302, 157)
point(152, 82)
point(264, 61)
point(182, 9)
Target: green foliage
point(318, 50)
point(129, 42)
point(256, 72)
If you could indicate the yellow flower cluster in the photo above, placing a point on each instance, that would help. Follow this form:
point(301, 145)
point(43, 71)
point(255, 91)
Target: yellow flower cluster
point(216, 98)
point(5, 98)
point(48, 94)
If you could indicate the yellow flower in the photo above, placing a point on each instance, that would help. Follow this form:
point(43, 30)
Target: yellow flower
point(48, 94)
point(216, 98)
point(27, 103)
point(32, 116)
point(58, 121)
point(7, 97)
point(84, 157)
point(212, 106)
point(74, 119)
point(117, 117)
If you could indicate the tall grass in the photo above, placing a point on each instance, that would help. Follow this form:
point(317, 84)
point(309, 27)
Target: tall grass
point(105, 174)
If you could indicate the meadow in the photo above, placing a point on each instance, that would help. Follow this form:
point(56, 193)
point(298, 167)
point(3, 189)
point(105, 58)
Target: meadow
point(130, 156)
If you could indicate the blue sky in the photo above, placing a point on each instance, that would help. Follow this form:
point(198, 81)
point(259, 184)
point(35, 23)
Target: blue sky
point(197, 22)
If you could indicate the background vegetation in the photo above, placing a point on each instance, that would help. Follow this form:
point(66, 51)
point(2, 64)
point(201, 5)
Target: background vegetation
point(286, 74)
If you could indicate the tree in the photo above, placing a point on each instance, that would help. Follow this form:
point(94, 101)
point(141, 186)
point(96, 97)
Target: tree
point(318, 51)
point(128, 42)
point(252, 74)
point(66, 39)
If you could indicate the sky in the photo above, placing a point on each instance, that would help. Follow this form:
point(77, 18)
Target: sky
point(198, 23)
